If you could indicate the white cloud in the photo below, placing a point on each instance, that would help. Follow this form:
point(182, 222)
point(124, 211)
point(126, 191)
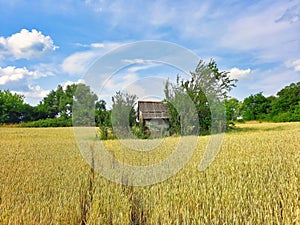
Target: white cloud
point(120, 81)
point(34, 94)
point(272, 80)
point(292, 14)
point(259, 31)
point(92, 45)
point(134, 69)
point(46, 69)
point(151, 87)
point(237, 73)
point(79, 62)
point(260, 28)
point(67, 83)
point(137, 61)
point(26, 44)
point(268, 81)
point(97, 45)
point(153, 14)
point(11, 74)
point(294, 64)
point(117, 82)
point(145, 64)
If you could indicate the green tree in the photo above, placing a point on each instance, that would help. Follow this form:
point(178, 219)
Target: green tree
point(206, 88)
point(256, 107)
point(12, 107)
point(171, 91)
point(66, 101)
point(183, 115)
point(233, 109)
point(84, 102)
point(29, 113)
point(49, 106)
point(123, 115)
point(59, 102)
point(287, 99)
point(296, 113)
point(102, 114)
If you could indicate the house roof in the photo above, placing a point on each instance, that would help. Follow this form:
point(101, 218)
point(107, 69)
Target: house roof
point(152, 110)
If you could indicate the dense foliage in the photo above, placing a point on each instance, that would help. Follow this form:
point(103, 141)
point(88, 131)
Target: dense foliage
point(197, 95)
point(205, 83)
point(13, 109)
point(284, 107)
point(123, 115)
point(56, 109)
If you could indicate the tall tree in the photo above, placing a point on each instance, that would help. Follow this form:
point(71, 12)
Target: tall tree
point(59, 102)
point(233, 108)
point(13, 109)
point(102, 114)
point(9, 107)
point(66, 101)
point(84, 102)
point(49, 107)
point(256, 107)
point(206, 85)
point(287, 99)
point(123, 113)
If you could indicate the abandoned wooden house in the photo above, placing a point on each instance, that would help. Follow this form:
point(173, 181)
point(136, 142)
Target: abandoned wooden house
point(154, 115)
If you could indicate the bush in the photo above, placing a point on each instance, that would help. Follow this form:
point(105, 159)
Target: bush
point(139, 132)
point(240, 120)
point(106, 133)
point(283, 117)
point(50, 122)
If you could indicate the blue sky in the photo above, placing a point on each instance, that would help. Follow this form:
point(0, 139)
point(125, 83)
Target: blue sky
point(46, 43)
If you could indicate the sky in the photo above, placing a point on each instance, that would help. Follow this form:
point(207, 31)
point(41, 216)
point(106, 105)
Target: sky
point(46, 43)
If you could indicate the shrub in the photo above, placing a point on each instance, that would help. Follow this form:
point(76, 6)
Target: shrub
point(106, 133)
point(50, 122)
point(283, 117)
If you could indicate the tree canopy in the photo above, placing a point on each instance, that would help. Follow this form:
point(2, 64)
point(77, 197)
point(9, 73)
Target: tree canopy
point(284, 107)
point(123, 115)
point(206, 85)
point(186, 100)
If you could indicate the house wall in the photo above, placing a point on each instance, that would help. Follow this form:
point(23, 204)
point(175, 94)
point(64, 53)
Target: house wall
point(157, 126)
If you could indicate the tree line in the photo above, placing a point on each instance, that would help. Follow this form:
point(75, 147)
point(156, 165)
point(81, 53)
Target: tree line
point(56, 109)
point(284, 107)
point(206, 85)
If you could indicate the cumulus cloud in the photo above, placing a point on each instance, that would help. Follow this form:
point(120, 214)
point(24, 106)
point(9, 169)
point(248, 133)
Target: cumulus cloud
point(79, 62)
point(69, 82)
point(11, 74)
point(46, 69)
point(33, 94)
point(237, 73)
point(294, 64)
point(26, 44)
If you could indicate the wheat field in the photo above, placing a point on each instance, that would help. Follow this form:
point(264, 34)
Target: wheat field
point(253, 180)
